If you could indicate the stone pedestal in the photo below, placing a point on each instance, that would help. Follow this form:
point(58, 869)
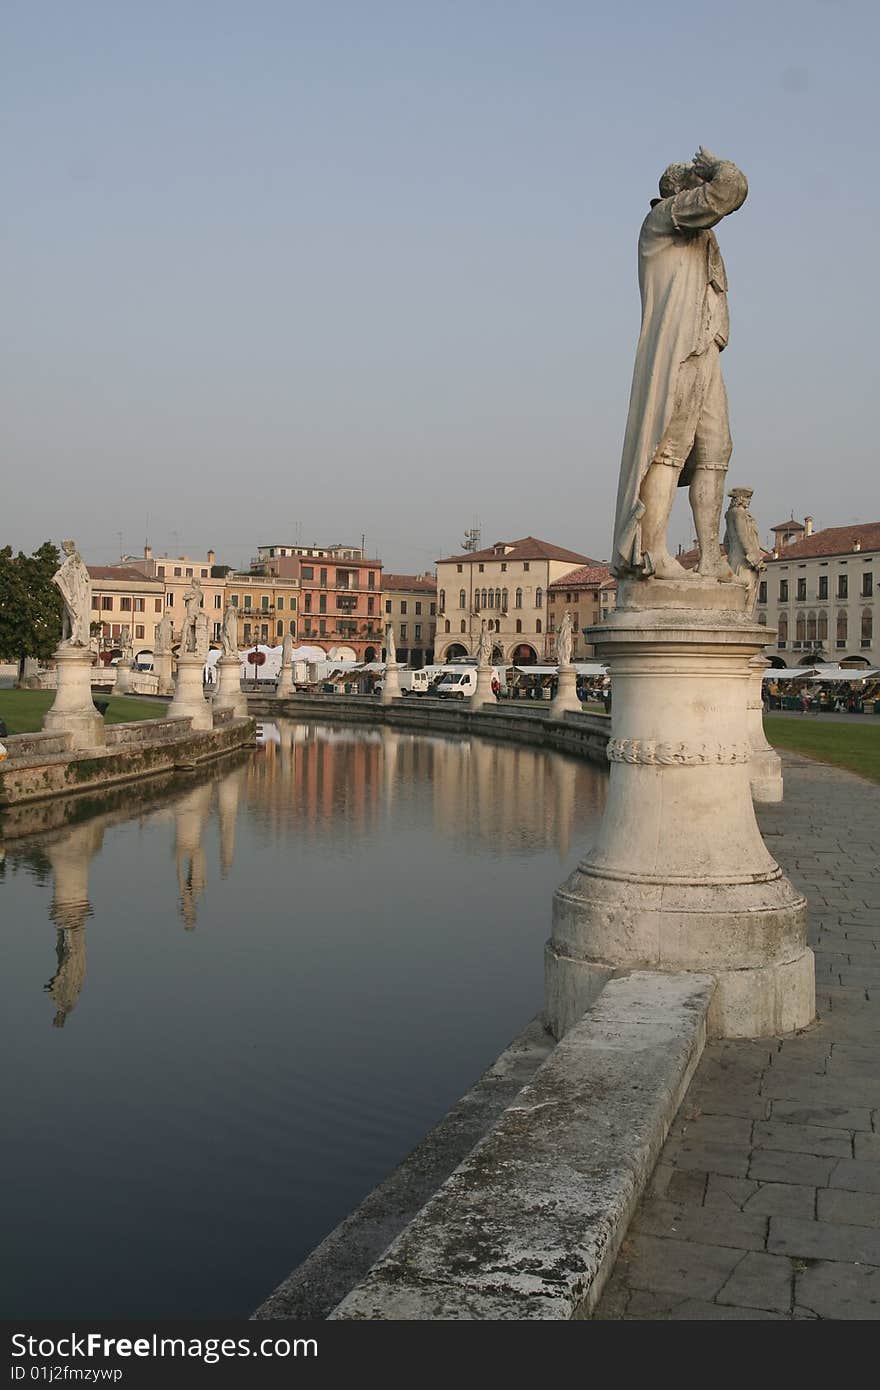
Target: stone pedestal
point(123, 678)
point(484, 693)
point(679, 877)
point(390, 684)
point(189, 697)
point(162, 669)
point(765, 768)
point(285, 687)
point(566, 697)
point(73, 711)
point(229, 693)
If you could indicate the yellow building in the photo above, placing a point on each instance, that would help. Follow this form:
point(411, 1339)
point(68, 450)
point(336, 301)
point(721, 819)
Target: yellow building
point(267, 607)
point(175, 573)
point(410, 601)
point(506, 585)
point(123, 596)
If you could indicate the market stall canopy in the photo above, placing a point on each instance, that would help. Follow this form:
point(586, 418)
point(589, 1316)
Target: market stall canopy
point(790, 673)
point(843, 673)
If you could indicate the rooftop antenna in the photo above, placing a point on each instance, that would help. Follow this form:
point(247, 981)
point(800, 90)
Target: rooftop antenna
point(472, 537)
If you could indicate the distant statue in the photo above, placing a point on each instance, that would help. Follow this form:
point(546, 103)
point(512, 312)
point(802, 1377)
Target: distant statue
point(287, 650)
point(72, 578)
point(677, 432)
point(164, 634)
point(125, 642)
point(563, 640)
point(192, 600)
point(229, 632)
point(390, 646)
point(742, 539)
point(202, 636)
point(484, 646)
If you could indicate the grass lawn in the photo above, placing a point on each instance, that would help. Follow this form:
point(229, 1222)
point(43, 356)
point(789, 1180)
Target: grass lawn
point(23, 710)
point(855, 747)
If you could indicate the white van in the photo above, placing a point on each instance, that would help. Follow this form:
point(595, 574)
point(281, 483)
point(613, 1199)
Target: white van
point(411, 682)
point(457, 685)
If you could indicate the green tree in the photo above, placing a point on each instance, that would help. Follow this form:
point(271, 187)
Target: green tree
point(30, 605)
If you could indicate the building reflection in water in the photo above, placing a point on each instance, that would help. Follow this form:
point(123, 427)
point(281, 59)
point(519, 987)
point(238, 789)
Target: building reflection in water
point(318, 781)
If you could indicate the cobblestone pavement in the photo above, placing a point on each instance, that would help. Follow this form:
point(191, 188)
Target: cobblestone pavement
point(765, 1203)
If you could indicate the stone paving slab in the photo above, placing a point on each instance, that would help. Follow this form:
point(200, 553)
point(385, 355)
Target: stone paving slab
point(781, 1136)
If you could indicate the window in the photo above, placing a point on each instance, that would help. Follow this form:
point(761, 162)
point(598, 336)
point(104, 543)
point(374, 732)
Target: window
point(481, 568)
point(442, 599)
point(446, 627)
point(822, 628)
point(519, 624)
point(308, 571)
point(279, 629)
point(116, 629)
point(491, 598)
point(867, 627)
point(387, 605)
point(823, 586)
point(519, 601)
point(504, 603)
point(371, 579)
point(322, 603)
point(169, 600)
point(843, 586)
point(264, 603)
point(433, 610)
point(462, 599)
point(403, 605)
point(841, 627)
point(247, 603)
point(217, 630)
point(371, 605)
point(160, 571)
point(292, 627)
point(247, 632)
point(218, 600)
point(308, 603)
point(762, 591)
point(157, 605)
point(107, 602)
point(782, 639)
point(800, 629)
point(403, 632)
point(459, 568)
point(139, 630)
point(537, 624)
point(203, 574)
point(463, 625)
point(279, 603)
point(264, 632)
point(418, 609)
point(801, 590)
point(504, 567)
point(189, 573)
point(177, 571)
point(323, 580)
point(539, 598)
point(811, 628)
point(526, 566)
point(497, 598)
point(233, 599)
point(138, 605)
point(418, 632)
point(867, 584)
point(783, 591)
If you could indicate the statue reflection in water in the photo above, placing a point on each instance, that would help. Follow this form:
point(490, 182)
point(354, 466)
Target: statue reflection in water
point(70, 859)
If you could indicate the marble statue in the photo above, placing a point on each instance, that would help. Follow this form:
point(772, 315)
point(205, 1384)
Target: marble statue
point(287, 650)
point(484, 646)
point(125, 642)
point(742, 540)
point(563, 640)
point(229, 632)
point(677, 432)
point(390, 646)
point(72, 578)
point(164, 634)
point(192, 600)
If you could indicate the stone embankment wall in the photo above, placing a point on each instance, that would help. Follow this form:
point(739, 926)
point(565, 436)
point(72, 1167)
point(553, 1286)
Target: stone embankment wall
point(585, 735)
point(41, 765)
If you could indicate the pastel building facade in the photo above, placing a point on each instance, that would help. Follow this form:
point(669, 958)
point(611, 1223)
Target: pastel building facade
point(339, 597)
point(589, 594)
point(410, 602)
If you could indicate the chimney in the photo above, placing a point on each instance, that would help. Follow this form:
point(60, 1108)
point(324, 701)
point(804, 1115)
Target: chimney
point(210, 557)
point(808, 525)
point(857, 545)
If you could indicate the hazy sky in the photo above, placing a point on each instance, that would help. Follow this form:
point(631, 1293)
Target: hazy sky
point(280, 271)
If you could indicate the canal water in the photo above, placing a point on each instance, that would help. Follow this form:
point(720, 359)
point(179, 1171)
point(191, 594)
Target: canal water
point(231, 1003)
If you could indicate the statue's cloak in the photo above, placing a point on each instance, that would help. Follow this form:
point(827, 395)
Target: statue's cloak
point(683, 286)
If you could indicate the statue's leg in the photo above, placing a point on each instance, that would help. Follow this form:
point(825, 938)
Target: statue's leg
point(712, 449)
point(658, 493)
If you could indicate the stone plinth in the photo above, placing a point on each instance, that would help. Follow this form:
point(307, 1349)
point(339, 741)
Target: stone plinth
point(765, 768)
point(73, 710)
point(391, 683)
point(189, 700)
point(484, 694)
point(679, 877)
point(566, 697)
point(285, 687)
point(162, 669)
point(229, 693)
point(123, 678)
